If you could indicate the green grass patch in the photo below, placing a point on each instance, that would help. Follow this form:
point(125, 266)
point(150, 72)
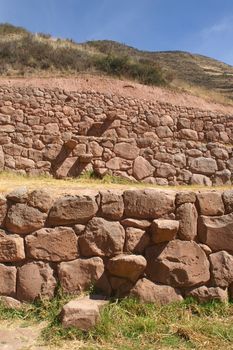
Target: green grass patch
point(128, 324)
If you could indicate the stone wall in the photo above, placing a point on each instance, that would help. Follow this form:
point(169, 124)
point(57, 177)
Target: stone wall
point(66, 133)
point(158, 246)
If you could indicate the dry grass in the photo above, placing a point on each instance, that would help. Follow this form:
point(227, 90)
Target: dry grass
point(11, 181)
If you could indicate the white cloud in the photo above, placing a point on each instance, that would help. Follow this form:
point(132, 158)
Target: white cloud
point(223, 26)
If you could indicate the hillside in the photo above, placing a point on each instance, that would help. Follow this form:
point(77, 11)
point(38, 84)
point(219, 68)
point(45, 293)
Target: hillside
point(23, 54)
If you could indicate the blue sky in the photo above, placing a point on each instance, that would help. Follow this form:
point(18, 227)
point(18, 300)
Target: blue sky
point(199, 26)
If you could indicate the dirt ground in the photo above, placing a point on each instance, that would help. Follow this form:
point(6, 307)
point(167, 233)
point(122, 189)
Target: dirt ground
point(86, 82)
point(21, 335)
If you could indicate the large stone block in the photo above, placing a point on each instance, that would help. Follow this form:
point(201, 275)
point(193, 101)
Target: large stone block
point(58, 244)
point(178, 263)
point(148, 292)
point(11, 248)
point(72, 210)
point(148, 204)
point(164, 230)
point(210, 203)
point(127, 266)
point(187, 215)
point(216, 232)
point(142, 168)
point(136, 240)
point(35, 280)
point(7, 280)
point(221, 267)
point(202, 165)
point(23, 219)
point(102, 238)
point(112, 205)
point(81, 274)
point(126, 150)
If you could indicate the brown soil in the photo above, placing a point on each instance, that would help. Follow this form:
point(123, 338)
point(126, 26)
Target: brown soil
point(123, 88)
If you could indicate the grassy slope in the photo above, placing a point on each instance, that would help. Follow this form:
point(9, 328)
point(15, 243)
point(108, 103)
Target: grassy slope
point(24, 54)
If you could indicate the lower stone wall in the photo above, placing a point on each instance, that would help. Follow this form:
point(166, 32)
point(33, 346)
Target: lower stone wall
point(158, 246)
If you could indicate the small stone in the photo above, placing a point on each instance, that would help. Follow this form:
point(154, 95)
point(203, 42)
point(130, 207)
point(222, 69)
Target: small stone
point(141, 224)
point(148, 292)
point(127, 266)
point(228, 201)
point(204, 294)
point(40, 199)
point(185, 197)
point(164, 230)
point(142, 168)
point(83, 313)
point(136, 240)
point(20, 195)
point(112, 205)
point(11, 248)
point(7, 280)
point(10, 303)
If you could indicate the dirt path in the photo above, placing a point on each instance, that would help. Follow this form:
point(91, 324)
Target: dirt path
point(86, 82)
point(20, 336)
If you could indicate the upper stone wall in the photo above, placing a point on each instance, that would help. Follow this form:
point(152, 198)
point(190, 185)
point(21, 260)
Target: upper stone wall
point(53, 131)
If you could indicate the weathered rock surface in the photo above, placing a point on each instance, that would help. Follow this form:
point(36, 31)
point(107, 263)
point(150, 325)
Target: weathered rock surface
point(11, 248)
point(82, 313)
point(3, 210)
point(221, 264)
point(136, 240)
point(23, 219)
point(216, 232)
point(52, 244)
point(202, 165)
point(127, 266)
point(10, 303)
point(7, 280)
point(228, 201)
point(148, 204)
point(102, 238)
point(72, 210)
point(35, 280)
point(148, 292)
point(112, 205)
point(79, 275)
point(210, 203)
point(187, 215)
point(164, 230)
point(140, 224)
point(183, 197)
point(142, 168)
point(126, 151)
point(204, 294)
point(40, 199)
point(178, 263)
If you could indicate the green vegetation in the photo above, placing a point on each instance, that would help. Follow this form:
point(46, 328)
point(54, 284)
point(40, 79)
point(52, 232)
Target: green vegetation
point(127, 325)
point(26, 53)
